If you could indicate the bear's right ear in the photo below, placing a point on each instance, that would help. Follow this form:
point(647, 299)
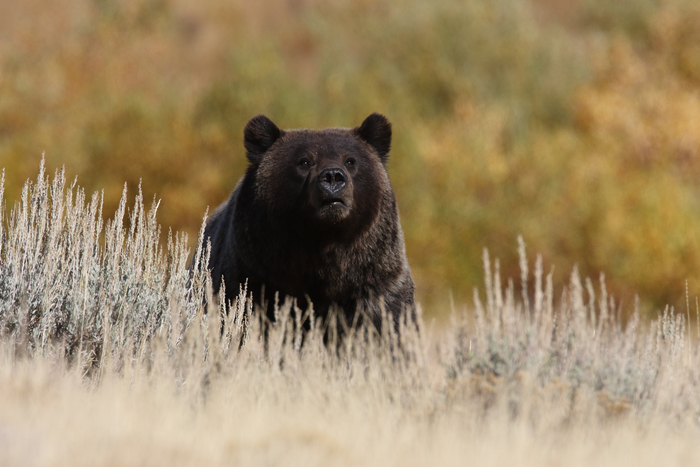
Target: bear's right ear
point(259, 135)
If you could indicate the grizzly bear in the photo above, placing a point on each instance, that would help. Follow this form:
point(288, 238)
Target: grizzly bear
point(314, 217)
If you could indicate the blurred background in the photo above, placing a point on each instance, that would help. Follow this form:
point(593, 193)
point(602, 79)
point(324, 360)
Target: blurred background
point(575, 123)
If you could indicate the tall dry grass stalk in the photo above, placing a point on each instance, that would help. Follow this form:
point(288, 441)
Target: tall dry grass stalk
point(107, 357)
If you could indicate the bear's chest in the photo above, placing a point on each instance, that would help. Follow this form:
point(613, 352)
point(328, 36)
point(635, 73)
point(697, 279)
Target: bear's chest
point(330, 272)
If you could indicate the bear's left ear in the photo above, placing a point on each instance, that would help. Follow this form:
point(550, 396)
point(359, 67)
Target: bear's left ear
point(376, 131)
point(259, 135)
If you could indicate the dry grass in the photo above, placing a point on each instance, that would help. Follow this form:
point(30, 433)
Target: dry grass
point(107, 358)
point(315, 415)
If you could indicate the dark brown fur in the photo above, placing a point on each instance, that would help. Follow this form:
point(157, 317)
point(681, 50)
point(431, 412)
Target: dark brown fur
point(314, 216)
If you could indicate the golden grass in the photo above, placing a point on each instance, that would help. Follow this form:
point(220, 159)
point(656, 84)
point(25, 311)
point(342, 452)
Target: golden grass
point(310, 412)
point(107, 357)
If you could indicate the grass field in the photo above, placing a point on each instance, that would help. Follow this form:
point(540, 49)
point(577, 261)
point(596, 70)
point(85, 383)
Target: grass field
point(107, 358)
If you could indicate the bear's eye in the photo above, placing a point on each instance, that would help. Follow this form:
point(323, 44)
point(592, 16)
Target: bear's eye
point(305, 163)
point(350, 162)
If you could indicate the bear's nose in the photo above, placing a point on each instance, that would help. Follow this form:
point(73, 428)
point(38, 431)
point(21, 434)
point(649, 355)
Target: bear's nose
point(332, 181)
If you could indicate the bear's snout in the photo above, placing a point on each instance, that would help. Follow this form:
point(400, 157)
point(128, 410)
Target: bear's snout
point(333, 196)
point(332, 181)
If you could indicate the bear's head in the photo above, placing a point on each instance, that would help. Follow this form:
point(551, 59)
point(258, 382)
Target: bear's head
point(330, 181)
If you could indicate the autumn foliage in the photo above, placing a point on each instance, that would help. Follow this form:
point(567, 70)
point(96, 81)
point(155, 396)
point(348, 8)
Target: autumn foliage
point(574, 124)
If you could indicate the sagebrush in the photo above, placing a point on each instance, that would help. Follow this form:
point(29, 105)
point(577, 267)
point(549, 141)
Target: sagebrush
point(106, 303)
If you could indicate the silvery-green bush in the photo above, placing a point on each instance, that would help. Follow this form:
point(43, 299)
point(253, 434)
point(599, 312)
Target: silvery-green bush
point(108, 295)
point(71, 282)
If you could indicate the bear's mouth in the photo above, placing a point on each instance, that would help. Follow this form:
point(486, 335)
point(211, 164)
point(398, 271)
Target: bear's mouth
point(332, 210)
point(334, 202)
